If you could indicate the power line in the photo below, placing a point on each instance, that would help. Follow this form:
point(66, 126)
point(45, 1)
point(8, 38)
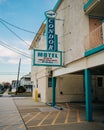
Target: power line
point(17, 27)
point(25, 55)
point(22, 29)
point(14, 33)
point(14, 49)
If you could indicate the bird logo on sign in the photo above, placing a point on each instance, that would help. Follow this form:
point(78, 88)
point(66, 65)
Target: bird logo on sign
point(50, 14)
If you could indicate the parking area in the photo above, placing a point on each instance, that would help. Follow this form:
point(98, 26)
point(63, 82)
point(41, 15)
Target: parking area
point(37, 114)
point(23, 113)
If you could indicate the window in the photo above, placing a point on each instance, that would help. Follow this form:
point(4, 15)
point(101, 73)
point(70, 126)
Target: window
point(100, 82)
point(27, 79)
point(49, 82)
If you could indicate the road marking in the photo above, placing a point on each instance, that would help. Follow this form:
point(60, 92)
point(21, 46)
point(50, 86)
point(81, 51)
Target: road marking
point(67, 116)
point(67, 105)
point(44, 118)
point(53, 122)
point(78, 116)
point(71, 116)
point(30, 119)
point(56, 124)
point(26, 115)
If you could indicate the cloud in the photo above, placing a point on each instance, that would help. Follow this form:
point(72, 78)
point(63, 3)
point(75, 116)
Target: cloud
point(9, 57)
point(4, 52)
point(16, 61)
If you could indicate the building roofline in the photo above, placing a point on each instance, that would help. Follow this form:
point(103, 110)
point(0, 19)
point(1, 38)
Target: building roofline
point(38, 34)
point(57, 5)
point(42, 27)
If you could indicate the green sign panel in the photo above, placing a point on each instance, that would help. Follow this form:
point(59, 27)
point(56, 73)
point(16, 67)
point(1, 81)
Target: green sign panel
point(47, 58)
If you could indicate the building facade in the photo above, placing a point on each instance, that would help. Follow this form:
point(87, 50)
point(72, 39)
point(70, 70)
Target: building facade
point(14, 85)
point(25, 81)
point(80, 30)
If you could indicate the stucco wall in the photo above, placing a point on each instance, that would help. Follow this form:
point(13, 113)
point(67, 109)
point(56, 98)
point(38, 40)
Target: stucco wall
point(40, 81)
point(72, 28)
point(42, 88)
point(71, 87)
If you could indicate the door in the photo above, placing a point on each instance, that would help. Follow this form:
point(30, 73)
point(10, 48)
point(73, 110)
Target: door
point(100, 88)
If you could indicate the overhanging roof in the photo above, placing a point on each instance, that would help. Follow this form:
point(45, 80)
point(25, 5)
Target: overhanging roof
point(94, 7)
point(57, 5)
point(39, 33)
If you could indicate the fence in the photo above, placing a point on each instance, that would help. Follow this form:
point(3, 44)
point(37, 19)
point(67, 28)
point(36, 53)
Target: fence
point(94, 39)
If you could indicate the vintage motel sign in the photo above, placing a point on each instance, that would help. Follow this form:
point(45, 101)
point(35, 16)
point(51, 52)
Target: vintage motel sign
point(47, 58)
point(50, 30)
point(51, 56)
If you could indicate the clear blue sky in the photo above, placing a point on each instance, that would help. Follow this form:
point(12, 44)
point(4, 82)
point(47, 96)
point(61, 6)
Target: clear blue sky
point(26, 14)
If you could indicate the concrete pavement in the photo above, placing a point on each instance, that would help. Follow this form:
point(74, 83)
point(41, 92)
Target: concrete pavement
point(38, 116)
point(81, 126)
point(25, 114)
point(5, 94)
point(10, 118)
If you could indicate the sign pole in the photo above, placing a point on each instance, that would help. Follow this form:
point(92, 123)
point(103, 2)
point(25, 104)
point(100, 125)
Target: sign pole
point(53, 91)
point(51, 45)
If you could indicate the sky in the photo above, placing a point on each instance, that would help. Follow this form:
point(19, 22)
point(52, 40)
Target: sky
point(19, 23)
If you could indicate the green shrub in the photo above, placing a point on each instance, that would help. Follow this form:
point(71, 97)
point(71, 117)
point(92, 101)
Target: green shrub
point(21, 89)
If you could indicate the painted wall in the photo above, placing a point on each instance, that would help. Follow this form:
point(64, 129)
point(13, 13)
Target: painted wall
point(72, 28)
point(39, 74)
point(68, 88)
point(42, 88)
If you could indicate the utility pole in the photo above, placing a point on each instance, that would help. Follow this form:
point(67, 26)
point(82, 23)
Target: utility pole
point(18, 75)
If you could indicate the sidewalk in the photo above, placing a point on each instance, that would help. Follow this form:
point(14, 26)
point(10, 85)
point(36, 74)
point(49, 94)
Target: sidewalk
point(5, 94)
point(10, 118)
point(17, 111)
